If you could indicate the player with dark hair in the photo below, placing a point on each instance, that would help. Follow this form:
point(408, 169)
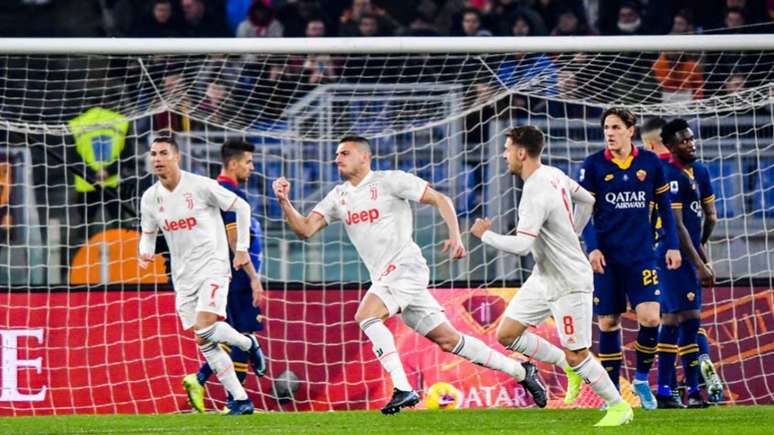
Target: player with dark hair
point(690, 192)
point(376, 213)
point(187, 209)
point(626, 182)
point(561, 283)
point(245, 290)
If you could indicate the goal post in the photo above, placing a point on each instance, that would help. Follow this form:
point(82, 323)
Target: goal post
point(83, 330)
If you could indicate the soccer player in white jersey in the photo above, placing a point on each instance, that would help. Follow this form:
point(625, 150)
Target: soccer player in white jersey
point(374, 207)
point(561, 284)
point(186, 208)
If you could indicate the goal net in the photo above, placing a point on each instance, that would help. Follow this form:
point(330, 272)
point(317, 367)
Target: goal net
point(83, 330)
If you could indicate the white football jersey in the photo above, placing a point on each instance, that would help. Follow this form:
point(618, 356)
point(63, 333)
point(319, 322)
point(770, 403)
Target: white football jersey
point(189, 216)
point(546, 213)
point(377, 217)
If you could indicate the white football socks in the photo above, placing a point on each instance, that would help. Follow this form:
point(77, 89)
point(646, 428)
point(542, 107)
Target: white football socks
point(221, 364)
point(536, 347)
point(475, 351)
point(222, 332)
point(595, 375)
point(384, 349)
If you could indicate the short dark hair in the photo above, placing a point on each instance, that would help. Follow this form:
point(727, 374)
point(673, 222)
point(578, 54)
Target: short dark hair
point(625, 114)
point(528, 137)
point(167, 139)
point(233, 149)
point(360, 140)
point(652, 124)
point(471, 10)
point(671, 128)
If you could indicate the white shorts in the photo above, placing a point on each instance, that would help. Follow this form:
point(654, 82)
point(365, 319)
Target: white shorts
point(211, 296)
point(403, 289)
point(572, 312)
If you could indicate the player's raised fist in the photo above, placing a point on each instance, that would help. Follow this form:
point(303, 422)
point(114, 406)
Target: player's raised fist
point(480, 226)
point(455, 247)
point(281, 188)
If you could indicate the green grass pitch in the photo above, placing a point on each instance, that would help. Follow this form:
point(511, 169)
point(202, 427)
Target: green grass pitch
point(734, 420)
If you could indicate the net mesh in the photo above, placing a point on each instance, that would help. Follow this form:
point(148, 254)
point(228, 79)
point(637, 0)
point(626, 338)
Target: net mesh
point(105, 335)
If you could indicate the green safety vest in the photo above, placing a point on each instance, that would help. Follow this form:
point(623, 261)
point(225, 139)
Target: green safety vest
point(99, 139)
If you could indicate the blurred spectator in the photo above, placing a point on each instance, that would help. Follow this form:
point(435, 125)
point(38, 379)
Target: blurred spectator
point(368, 26)
point(423, 24)
point(569, 25)
point(734, 17)
point(294, 16)
point(201, 21)
point(629, 20)
point(160, 22)
point(260, 22)
point(734, 83)
point(681, 23)
point(315, 28)
point(499, 16)
point(350, 20)
point(680, 79)
point(551, 10)
point(471, 23)
point(236, 12)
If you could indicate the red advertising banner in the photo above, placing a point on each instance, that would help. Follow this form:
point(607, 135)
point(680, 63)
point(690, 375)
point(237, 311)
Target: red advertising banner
point(125, 352)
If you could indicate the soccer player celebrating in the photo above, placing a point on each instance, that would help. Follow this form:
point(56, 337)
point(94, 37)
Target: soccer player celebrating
point(245, 290)
point(186, 207)
point(681, 297)
point(562, 282)
point(626, 182)
point(374, 207)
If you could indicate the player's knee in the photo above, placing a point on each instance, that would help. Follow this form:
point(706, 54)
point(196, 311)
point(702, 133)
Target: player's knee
point(506, 338)
point(447, 344)
point(575, 357)
point(649, 321)
point(609, 323)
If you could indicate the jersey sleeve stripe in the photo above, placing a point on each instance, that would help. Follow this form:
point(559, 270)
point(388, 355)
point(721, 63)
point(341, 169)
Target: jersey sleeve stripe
point(662, 189)
point(708, 199)
point(677, 205)
point(231, 225)
point(527, 233)
point(149, 232)
point(232, 204)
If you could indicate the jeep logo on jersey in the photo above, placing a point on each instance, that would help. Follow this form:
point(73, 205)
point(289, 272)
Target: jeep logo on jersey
point(181, 224)
point(626, 199)
point(364, 216)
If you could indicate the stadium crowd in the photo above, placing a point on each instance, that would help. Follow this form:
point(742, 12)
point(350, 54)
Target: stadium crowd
point(299, 18)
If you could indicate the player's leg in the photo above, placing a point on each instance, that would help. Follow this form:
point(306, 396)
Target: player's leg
point(644, 294)
point(609, 302)
point(213, 296)
point(477, 352)
point(529, 307)
point(667, 395)
point(573, 315)
point(689, 356)
point(221, 363)
point(376, 307)
point(708, 372)
point(667, 356)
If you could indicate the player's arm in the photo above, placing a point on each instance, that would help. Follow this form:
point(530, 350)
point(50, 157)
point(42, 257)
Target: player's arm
point(227, 201)
point(304, 226)
point(705, 273)
point(707, 204)
point(584, 206)
point(149, 228)
point(661, 193)
point(532, 214)
point(446, 208)
point(249, 268)
point(587, 181)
